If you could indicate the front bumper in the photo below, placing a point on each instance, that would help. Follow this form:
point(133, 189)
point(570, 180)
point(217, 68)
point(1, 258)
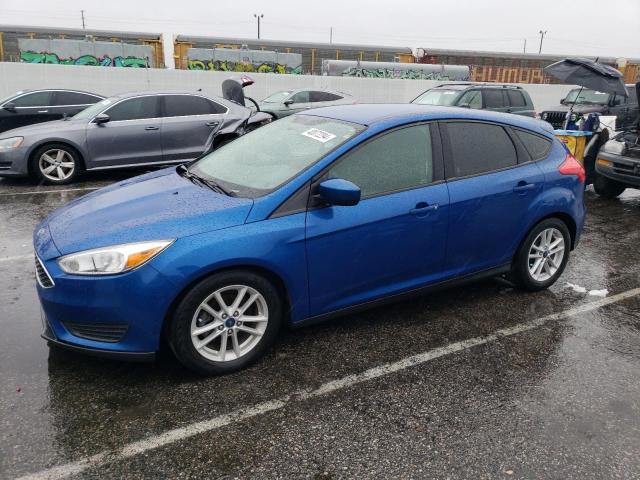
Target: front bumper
point(624, 169)
point(14, 162)
point(82, 313)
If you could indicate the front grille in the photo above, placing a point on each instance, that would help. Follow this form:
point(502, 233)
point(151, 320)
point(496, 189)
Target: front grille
point(627, 169)
point(42, 276)
point(101, 332)
point(554, 118)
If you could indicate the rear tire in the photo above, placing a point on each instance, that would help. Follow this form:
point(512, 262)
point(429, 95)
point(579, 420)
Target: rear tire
point(55, 164)
point(542, 256)
point(215, 339)
point(607, 188)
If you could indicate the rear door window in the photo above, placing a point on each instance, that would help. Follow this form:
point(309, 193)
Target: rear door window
point(516, 98)
point(36, 99)
point(537, 146)
point(186, 105)
point(493, 98)
point(478, 148)
point(134, 109)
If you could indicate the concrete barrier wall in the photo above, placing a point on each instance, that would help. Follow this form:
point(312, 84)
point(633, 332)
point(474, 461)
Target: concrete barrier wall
point(110, 81)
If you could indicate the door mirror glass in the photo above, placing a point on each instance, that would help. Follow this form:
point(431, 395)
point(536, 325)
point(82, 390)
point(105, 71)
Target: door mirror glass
point(288, 102)
point(337, 191)
point(102, 118)
point(9, 107)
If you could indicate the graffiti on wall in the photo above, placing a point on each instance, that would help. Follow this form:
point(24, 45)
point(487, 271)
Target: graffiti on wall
point(229, 66)
point(393, 73)
point(88, 60)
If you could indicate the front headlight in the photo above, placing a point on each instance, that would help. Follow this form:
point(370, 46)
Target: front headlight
point(614, 147)
point(110, 260)
point(10, 143)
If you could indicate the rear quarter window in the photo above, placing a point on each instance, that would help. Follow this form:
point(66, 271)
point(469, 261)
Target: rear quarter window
point(537, 146)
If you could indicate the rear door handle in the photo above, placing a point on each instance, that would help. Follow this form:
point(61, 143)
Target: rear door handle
point(212, 124)
point(43, 111)
point(523, 187)
point(423, 208)
point(152, 127)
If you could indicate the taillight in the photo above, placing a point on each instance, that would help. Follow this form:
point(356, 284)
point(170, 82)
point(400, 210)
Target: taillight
point(571, 166)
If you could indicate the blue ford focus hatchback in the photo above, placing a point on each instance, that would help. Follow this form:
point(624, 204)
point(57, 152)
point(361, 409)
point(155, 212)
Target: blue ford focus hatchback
point(312, 216)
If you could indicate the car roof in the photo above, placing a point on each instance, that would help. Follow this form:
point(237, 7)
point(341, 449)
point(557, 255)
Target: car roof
point(462, 86)
point(150, 93)
point(22, 92)
point(372, 114)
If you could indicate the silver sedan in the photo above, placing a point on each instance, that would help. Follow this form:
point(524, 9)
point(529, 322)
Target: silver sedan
point(123, 131)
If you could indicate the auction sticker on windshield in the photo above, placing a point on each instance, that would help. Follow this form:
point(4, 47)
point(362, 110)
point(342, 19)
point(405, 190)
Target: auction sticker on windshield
point(319, 135)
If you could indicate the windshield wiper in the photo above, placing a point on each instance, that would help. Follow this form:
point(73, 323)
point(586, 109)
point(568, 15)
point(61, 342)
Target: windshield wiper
point(184, 172)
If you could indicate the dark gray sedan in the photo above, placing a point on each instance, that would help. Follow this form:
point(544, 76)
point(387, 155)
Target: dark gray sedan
point(124, 131)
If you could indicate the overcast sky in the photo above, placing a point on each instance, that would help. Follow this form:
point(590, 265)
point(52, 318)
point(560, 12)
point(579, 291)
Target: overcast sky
point(588, 27)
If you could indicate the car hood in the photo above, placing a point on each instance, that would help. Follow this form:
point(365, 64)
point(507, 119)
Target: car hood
point(156, 206)
point(44, 127)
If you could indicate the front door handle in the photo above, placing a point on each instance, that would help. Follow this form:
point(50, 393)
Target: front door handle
point(423, 208)
point(212, 124)
point(152, 127)
point(43, 111)
point(523, 187)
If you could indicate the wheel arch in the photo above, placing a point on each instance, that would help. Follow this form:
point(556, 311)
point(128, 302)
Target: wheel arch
point(266, 273)
point(52, 141)
point(562, 216)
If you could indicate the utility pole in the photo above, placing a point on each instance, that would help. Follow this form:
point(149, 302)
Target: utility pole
point(258, 17)
point(542, 34)
point(330, 34)
point(525, 46)
point(82, 14)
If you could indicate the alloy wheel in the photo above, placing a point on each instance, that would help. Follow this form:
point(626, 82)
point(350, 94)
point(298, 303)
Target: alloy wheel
point(229, 323)
point(546, 254)
point(56, 164)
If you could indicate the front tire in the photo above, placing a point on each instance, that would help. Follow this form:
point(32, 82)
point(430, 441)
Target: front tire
point(607, 188)
point(226, 322)
point(543, 255)
point(55, 164)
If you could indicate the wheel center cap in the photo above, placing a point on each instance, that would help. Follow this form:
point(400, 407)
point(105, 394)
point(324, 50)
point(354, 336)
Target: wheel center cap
point(545, 254)
point(230, 322)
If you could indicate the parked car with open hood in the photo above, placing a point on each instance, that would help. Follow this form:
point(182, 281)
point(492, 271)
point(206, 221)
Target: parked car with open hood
point(128, 130)
point(36, 106)
point(618, 161)
point(286, 102)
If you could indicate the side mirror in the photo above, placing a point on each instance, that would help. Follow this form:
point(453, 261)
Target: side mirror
point(288, 102)
point(102, 119)
point(9, 107)
point(562, 101)
point(337, 191)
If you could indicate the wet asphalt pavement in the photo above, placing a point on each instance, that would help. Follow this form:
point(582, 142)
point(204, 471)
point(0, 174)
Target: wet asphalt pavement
point(551, 398)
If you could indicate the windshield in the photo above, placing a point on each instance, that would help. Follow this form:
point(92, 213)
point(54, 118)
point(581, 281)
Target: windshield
point(437, 97)
point(264, 159)
point(586, 96)
point(277, 97)
point(90, 112)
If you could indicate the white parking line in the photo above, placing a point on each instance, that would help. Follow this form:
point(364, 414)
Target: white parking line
point(175, 435)
point(16, 257)
point(36, 192)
